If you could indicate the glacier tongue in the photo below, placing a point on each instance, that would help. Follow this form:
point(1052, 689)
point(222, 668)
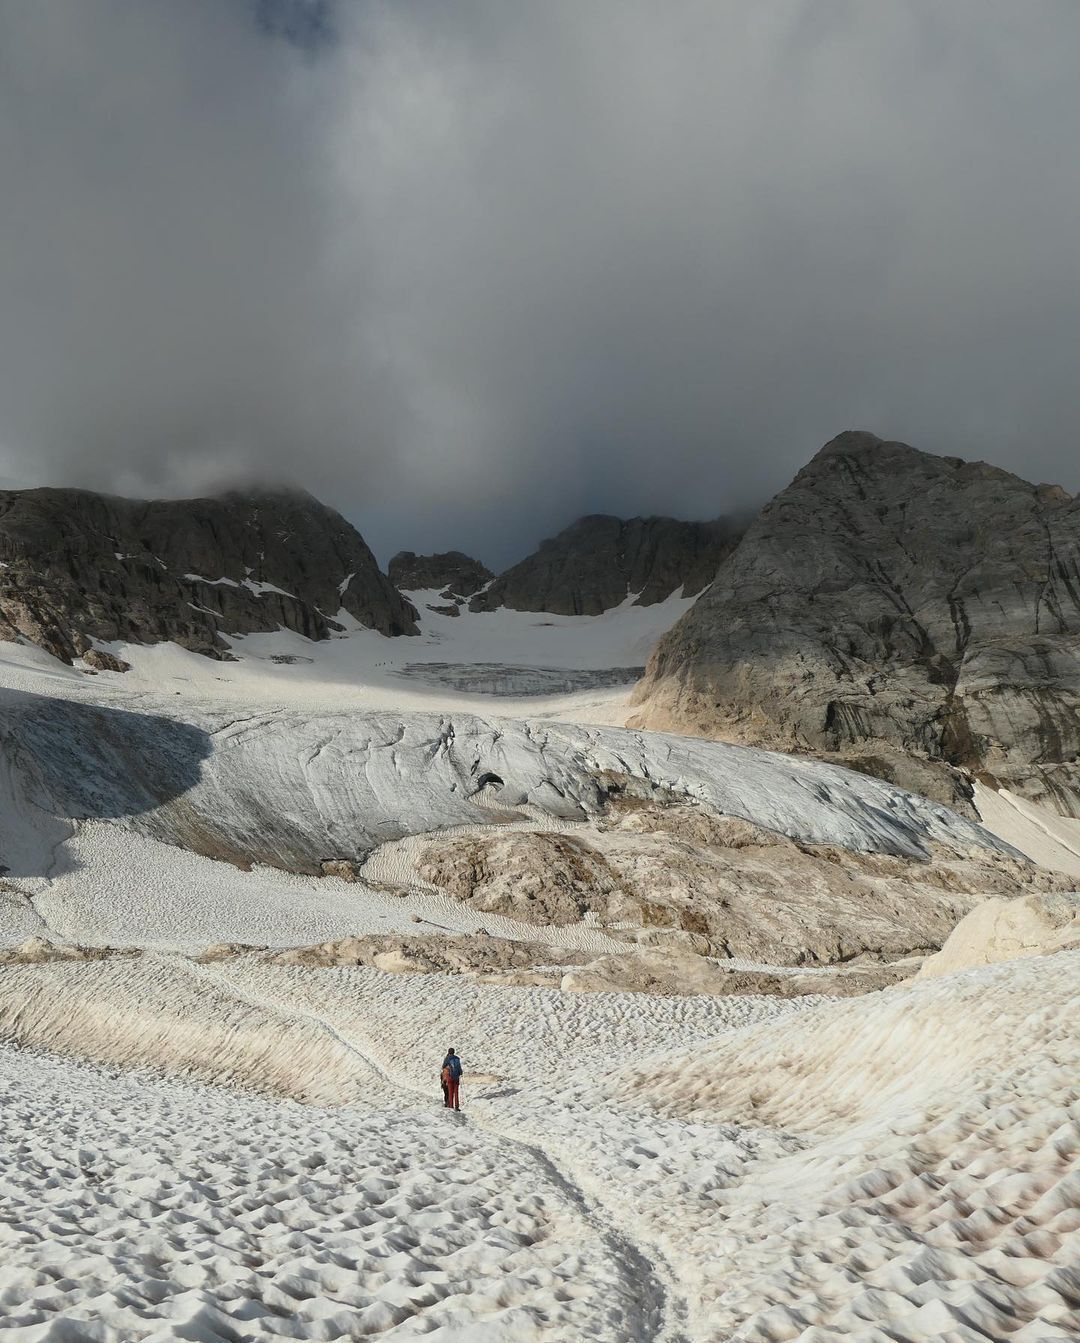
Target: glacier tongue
point(292, 790)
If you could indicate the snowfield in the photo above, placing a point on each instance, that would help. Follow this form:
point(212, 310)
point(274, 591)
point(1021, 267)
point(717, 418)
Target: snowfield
point(216, 1124)
point(524, 656)
point(641, 1192)
point(161, 1211)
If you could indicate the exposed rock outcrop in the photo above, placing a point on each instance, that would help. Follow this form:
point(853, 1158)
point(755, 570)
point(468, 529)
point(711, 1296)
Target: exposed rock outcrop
point(453, 573)
point(39, 951)
point(680, 973)
point(454, 955)
point(98, 660)
point(594, 564)
point(912, 615)
point(536, 877)
point(78, 567)
point(671, 970)
point(724, 887)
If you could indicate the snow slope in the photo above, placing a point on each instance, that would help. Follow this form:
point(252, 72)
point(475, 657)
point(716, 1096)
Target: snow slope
point(902, 1168)
point(157, 1211)
point(175, 1210)
point(1045, 837)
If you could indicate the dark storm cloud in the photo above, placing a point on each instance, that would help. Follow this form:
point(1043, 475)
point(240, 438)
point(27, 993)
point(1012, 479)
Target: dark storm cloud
point(469, 270)
point(307, 23)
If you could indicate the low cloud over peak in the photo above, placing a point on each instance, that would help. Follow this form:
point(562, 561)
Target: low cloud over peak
point(469, 271)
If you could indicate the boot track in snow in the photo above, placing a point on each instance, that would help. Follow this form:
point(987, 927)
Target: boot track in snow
point(662, 1311)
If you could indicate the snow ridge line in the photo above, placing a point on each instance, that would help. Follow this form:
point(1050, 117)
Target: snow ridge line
point(662, 1307)
point(229, 986)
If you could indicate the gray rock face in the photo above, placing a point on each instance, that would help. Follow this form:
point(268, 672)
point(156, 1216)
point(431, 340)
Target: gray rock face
point(911, 614)
point(78, 566)
point(593, 565)
point(455, 574)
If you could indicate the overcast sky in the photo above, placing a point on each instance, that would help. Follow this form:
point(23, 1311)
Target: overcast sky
point(467, 269)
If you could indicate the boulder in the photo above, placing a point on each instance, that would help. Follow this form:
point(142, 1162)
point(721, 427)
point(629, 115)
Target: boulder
point(102, 661)
point(1005, 930)
point(344, 869)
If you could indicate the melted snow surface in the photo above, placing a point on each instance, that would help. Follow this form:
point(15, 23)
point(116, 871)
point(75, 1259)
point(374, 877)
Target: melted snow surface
point(902, 1167)
point(158, 1210)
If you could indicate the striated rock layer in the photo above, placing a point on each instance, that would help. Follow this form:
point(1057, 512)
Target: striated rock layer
point(76, 567)
point(596, 562)
point(915, 615)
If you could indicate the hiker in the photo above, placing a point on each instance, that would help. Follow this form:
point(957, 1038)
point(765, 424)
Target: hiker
point(451, 1079)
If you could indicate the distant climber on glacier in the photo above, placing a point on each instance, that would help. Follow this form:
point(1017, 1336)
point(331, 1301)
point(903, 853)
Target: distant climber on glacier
point(451, 1079)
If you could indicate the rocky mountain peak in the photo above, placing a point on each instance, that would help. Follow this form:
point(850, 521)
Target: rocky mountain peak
point(887, 457)
point(600, 560)
point(453, 572)
point(910, 612)
point(849, 441)
point(80, 567)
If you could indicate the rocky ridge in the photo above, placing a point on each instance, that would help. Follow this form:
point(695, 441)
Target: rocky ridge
point(670, 969)
point(458, 575)
point(78, 567)
point(911, 615)
point(595, 563)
